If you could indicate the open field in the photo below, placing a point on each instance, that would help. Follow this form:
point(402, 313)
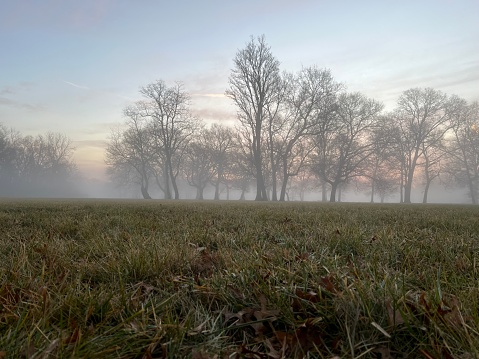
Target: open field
point(156, 279)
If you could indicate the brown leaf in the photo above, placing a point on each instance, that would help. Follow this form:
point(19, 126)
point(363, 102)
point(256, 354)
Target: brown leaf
point(306, 337)
point(309, 296)
point(327, 283)
point(394, 316)
point(449, 310)
point(3, 354)
point(273, 352)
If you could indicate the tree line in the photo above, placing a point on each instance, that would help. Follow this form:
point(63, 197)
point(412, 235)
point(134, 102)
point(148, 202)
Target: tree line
point(36, 166)
point(296, 132)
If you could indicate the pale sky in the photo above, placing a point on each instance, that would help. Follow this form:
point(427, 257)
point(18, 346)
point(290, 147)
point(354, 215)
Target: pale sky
point(71, 66)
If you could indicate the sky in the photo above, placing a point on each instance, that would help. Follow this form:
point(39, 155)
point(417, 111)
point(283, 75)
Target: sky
point(72, 66)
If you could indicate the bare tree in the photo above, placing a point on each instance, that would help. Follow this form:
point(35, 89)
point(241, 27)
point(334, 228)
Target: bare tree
point(199, 164)
point(381, 166)
point(220, 140)
point(463, 147)
point(253, 86)
point(172, 126)
point(39, 165)
point(422, 121)
point(310, 98)
point(343, 146)
point(130, 152)
point(432, 164)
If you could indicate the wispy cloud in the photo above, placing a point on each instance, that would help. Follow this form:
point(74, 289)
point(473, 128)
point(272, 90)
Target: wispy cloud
point(7, 90)
point(26, 106)
point(76, 85)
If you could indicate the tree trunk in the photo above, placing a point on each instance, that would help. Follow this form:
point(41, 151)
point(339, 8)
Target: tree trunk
point(372, 192)
point(173, 178)
point(410, 178)
point(144, 192)
point(217, 190)
point(334, 187)
point(283, 187)
point(407, 192)
point(199, 193)
point(218, 182)
point(260, 186)
point(472, 190)
point(324, 194)
point(426, 189)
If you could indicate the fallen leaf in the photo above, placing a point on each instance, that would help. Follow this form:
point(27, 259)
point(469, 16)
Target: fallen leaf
point(394, 316)
point(327, 283)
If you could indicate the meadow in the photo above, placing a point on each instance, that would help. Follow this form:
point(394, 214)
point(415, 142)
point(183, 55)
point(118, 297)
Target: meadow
point(165, 279)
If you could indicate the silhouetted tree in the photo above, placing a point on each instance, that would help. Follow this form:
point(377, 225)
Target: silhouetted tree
point(172, 126)
point(254, 85)
point(463, 146)
point(129, 153)
point(343, 145)
point(422, 120)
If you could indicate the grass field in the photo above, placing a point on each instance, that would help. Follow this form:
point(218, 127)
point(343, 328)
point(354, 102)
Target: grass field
point(156, 279)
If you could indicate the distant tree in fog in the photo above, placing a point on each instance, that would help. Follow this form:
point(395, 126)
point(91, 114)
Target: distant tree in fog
point(463, 147)
point(432, 164)
point(154, 143)
point(344, 145)
point(129, 153)
point(8, 152)
point(381, 167)
point(38, 166)
point(199, 164)
point(172, 126)
point(220, 140)
point(254, 85)
point(422, 119)
point(310, 97)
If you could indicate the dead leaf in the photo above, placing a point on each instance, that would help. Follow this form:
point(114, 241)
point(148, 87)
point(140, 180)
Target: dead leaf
point(306, 337)
point(449, 310)
point(394, 316)
point(327, 283)
point(297, 302)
